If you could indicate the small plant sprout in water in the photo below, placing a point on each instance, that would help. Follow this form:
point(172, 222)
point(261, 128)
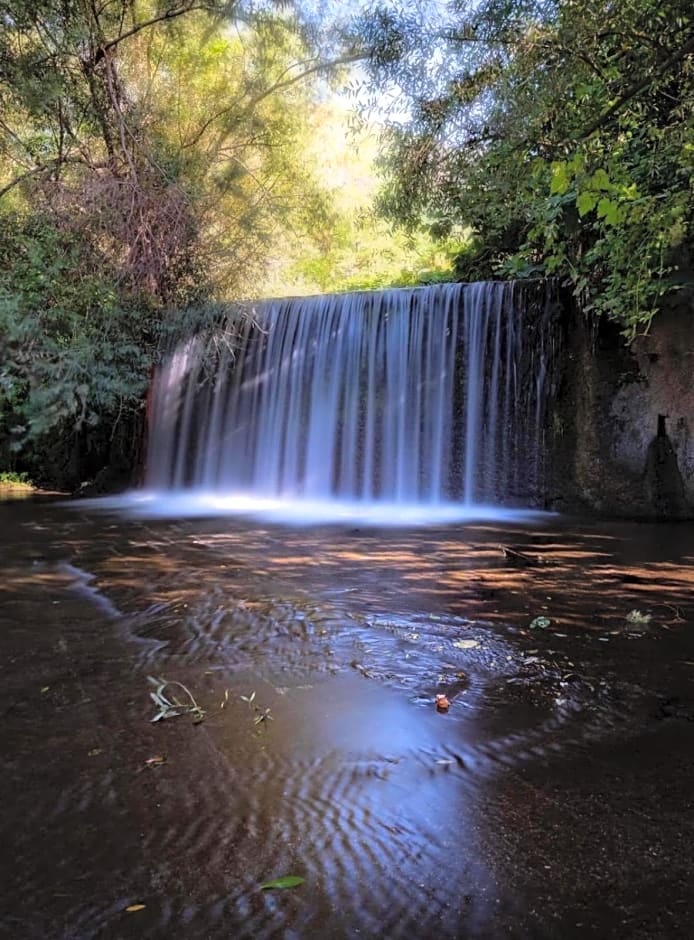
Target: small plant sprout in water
point(262, 715)
point(169, 706)
point(636, 618)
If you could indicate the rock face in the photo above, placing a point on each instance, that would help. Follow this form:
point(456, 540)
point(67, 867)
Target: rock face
point(623, 424)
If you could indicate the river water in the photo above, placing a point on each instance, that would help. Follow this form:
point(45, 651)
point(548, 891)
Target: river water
point(552, 799)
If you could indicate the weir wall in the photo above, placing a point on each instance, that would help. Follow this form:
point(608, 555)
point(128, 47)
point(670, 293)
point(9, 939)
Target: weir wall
point(621, 429)
point(618, 426)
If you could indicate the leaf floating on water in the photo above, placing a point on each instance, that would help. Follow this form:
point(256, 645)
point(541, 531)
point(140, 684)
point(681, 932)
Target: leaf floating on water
point(134, 908)
point(542, 622)
point(362, 669)
point(156, 761)
point(442, 703)
point(467, 644)
point(262, 716)
point(515, 557)
point(288, 881)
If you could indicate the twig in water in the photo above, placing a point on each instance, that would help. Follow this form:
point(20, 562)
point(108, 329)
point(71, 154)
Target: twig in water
point(171, 707)
point(519, 558)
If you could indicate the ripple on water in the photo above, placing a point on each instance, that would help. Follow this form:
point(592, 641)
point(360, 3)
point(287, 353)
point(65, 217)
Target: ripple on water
point(516, 707)
point(343, 789)
point(358, 784)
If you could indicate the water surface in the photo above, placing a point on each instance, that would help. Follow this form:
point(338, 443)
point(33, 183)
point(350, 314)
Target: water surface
point(553, 799)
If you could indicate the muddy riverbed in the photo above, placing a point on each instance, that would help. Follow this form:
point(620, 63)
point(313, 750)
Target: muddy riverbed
point(553, 799)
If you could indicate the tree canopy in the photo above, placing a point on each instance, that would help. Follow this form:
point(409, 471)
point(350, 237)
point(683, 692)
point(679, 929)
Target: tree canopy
point(157, 156)
point(153, 153)
point(562, 131)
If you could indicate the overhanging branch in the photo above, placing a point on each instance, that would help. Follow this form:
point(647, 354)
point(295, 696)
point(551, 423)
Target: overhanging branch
point(48, 167)
point(166, 16)
point(280, 85)
point(637, 87)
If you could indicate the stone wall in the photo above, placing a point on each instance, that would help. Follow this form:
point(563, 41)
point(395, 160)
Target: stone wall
point(622, 434)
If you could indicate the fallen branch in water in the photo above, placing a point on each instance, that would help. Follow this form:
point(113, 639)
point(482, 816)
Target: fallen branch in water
point(520, 558)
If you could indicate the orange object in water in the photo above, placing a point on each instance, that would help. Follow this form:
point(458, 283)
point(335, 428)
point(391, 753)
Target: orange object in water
point(442, 703)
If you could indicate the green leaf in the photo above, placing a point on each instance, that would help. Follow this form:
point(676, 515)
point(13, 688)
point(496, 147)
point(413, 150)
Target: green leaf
point(609, 211)
point(560, 179)
point(586, 202)
point(600, 180)
point(288, 881)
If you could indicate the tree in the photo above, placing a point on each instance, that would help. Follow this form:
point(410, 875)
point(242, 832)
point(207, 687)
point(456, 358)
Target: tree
point(150, 158)
point(353, 247)
point(562, 132)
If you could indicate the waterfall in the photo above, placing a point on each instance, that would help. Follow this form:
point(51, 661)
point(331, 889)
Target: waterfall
point(421, 396)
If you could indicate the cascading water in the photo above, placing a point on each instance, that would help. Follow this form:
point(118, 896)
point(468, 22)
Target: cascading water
point(424, 398)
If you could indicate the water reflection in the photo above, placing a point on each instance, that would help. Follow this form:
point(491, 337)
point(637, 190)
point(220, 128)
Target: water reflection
point(11, 491)
point(404, 822)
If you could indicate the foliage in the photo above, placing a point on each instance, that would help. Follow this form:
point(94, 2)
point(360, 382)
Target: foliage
point(69, 346)
point(10, 478)
point(151, 159)
point(561, 132)
point(353, 247)
point(368, 254)
point(230, 113)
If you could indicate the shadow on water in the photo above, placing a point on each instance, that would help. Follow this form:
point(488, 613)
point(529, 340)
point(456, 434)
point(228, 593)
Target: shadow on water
point(561, 764)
